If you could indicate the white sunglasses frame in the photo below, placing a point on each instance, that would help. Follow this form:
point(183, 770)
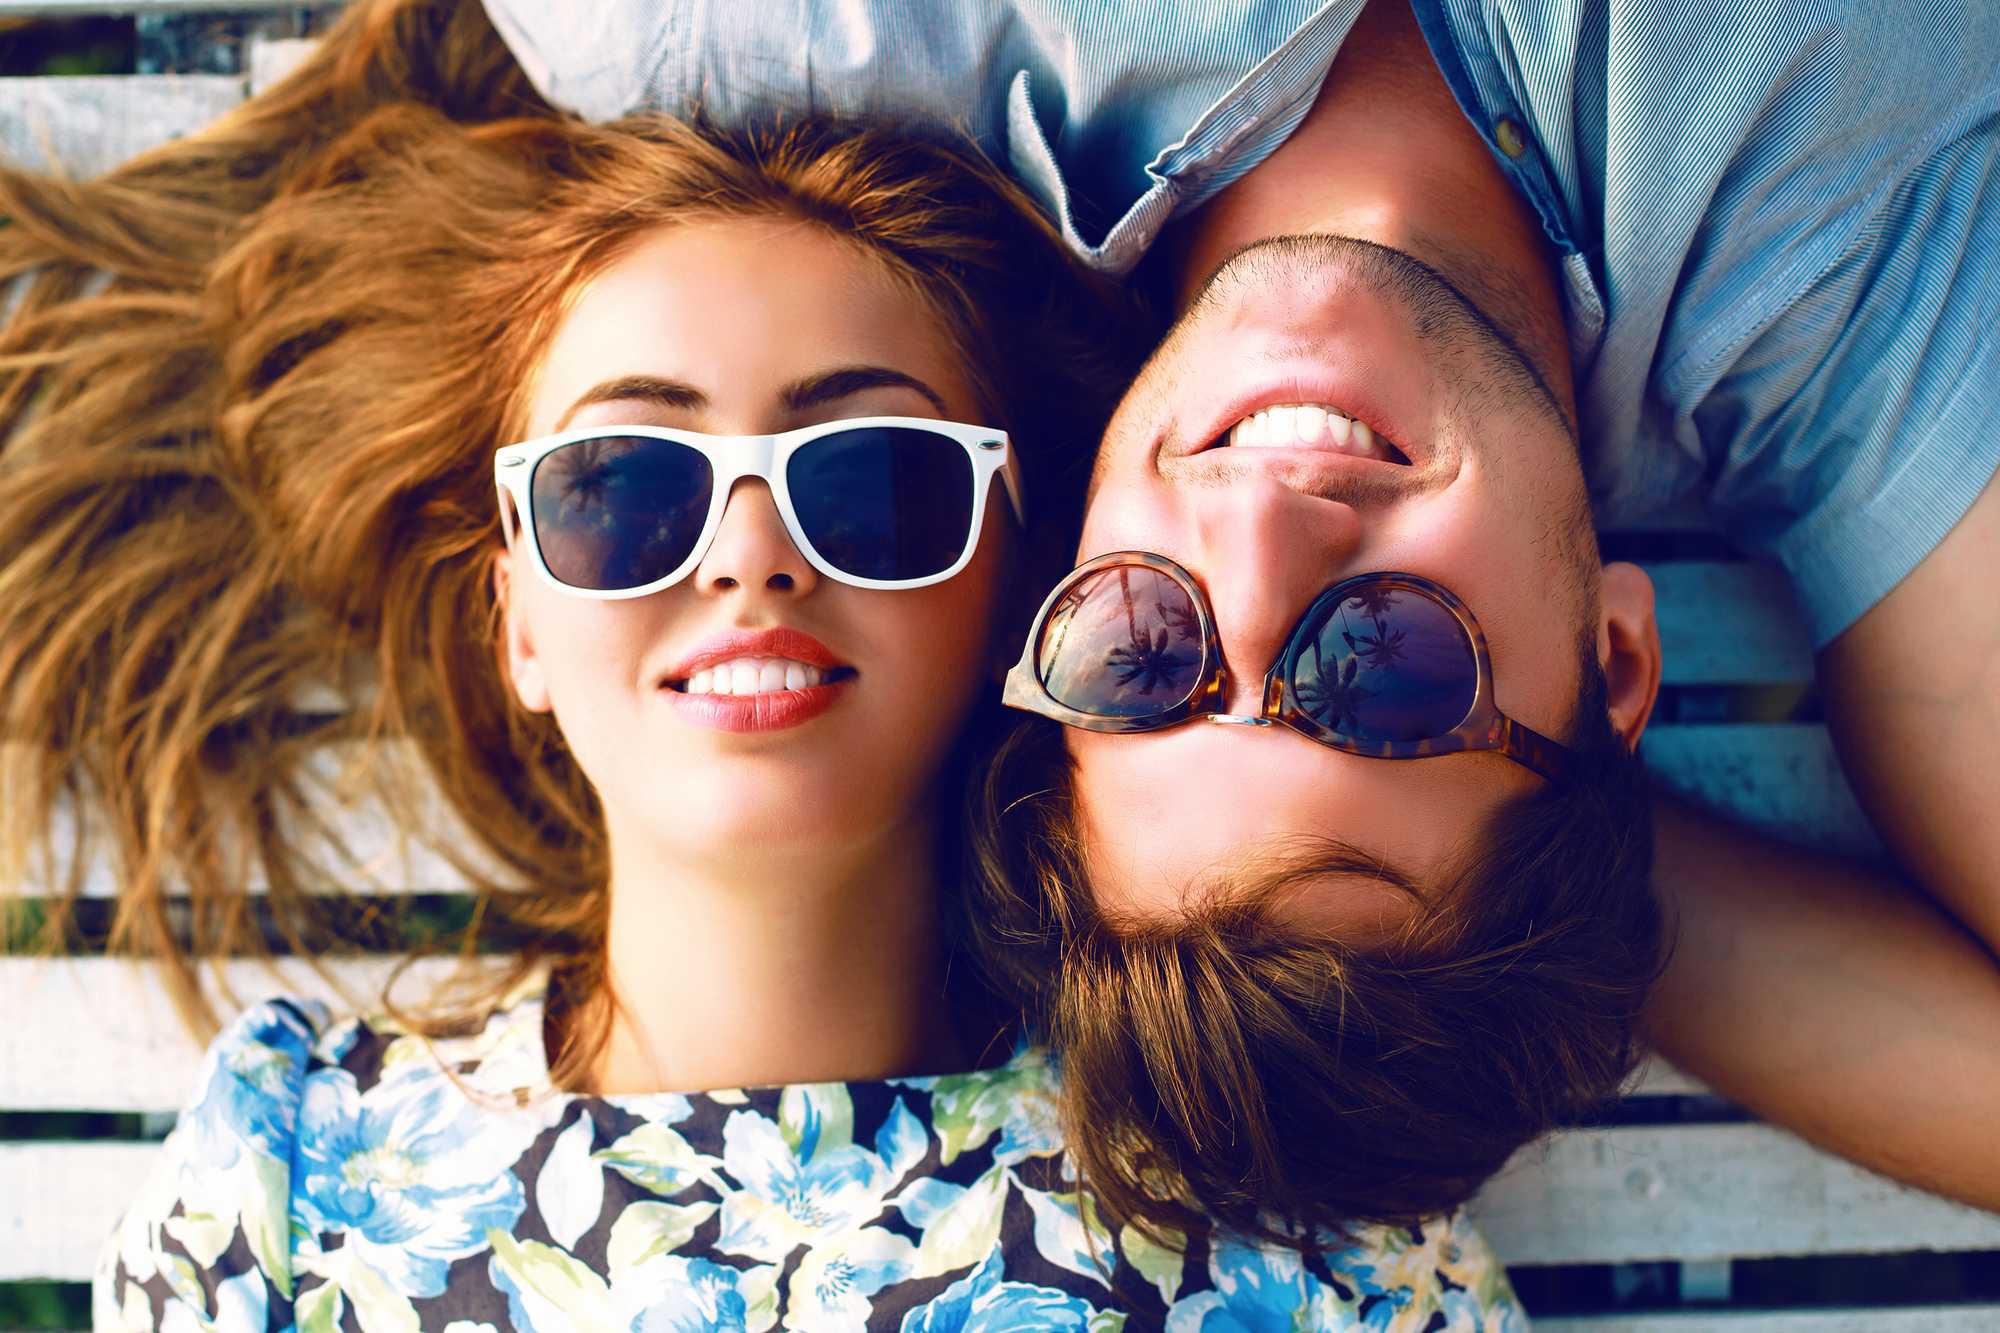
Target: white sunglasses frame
point(764, 456)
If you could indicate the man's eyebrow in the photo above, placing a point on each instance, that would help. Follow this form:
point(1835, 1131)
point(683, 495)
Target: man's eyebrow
point(833, 385)
point(642, 388)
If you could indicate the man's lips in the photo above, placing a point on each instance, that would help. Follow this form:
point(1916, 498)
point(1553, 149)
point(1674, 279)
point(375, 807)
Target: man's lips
point(1314, 427)
point(1330, 395)
point(1320, 474)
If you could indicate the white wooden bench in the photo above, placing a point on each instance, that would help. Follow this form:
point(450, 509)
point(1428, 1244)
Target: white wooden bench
point(89, 1034)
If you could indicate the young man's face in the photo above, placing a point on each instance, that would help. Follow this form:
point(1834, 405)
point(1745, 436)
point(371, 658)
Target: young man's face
point(1467, 474)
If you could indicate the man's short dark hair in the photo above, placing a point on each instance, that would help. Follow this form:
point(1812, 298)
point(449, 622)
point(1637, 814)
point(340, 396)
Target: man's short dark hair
point(1225, 1068)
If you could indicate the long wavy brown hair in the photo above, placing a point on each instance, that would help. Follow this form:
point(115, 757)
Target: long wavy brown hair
point(255, 466)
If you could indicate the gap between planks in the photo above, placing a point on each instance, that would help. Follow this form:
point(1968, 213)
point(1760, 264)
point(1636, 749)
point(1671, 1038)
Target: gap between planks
point(1888, 1319)
point(1692, 1192)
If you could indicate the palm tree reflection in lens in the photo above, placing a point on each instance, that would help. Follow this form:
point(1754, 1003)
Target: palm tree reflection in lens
point(1110, 646)
point(1385, 665)
point(1403, 650)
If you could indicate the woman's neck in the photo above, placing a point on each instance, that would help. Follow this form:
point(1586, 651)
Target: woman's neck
point(766, 968)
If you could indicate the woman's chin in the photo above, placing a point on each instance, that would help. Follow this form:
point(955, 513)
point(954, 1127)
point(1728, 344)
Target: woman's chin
point(764, 816)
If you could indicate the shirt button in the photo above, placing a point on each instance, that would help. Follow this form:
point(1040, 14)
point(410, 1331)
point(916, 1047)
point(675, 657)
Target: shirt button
point(1511, 142)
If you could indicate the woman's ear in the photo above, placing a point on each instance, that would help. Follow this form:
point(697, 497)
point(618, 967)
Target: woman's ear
point(524, 666)
point(1628, 648)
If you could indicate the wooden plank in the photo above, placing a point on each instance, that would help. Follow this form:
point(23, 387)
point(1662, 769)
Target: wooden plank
point(60, 1201)
point(1657, 1078)
point(138, 1055)
point(272, 58)
point(361, 845)
point(1895, 1319)
point(88, 124)
point(1782, 778)
point(1695, 1192)
point(1728, 623)
point(81, 8)
point(378, 860)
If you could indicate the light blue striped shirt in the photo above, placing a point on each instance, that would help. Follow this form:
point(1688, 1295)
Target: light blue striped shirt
point(1780, 218)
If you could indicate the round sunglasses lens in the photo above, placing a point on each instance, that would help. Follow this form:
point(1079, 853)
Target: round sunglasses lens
point(1123, 642)
point(1386, 664)
point(619, 511)
point(884, 502)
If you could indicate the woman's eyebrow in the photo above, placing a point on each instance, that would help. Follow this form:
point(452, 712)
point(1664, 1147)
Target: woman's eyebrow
point(833, 385)
point(644, 388)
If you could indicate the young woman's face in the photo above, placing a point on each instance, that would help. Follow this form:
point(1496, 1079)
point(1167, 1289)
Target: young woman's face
point(752, 327)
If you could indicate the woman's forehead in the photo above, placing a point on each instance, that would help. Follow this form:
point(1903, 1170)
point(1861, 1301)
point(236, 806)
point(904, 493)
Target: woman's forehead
point(739, 311)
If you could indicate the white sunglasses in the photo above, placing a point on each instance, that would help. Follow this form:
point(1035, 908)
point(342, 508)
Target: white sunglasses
point(876, 502)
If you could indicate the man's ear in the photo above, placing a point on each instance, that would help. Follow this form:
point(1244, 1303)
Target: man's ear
point(1628, 648)
point(524, 666)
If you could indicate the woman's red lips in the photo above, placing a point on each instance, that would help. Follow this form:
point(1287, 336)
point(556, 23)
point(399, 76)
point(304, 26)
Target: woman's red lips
point(756, 680)
point(775, 711)
point(780, 642)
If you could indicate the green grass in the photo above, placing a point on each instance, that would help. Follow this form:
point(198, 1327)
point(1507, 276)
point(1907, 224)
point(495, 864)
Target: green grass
point(96, 44)
point(391, 923)
point(71, 1126)
point(38, 1305)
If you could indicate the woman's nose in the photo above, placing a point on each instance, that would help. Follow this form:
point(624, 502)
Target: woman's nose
point(751, 549)
point(1265, 552)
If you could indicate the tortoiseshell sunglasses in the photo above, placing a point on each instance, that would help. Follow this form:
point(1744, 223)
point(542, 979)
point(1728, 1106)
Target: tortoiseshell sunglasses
point(1391, 666)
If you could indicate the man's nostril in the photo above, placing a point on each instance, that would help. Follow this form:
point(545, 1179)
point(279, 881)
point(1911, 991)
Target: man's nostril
point(779, 583)
point(725, 583)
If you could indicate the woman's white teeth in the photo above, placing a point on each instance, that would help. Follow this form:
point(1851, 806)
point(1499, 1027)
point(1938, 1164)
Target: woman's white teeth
point(1307, 426)
point(754, 675)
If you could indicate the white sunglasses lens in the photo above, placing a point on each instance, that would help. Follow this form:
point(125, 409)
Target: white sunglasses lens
point(619, 511)
point(884, 502)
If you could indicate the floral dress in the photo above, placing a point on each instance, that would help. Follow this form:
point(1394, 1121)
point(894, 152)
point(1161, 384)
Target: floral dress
point(358, 1177)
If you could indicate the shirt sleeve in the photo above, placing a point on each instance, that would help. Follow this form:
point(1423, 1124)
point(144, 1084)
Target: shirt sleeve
point(1856, 428)
point(209, 1235)
point(1116, 118)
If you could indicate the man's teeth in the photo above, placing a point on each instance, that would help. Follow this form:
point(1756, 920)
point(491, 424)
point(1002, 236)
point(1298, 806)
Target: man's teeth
point(754, 675)
point(1307, 426)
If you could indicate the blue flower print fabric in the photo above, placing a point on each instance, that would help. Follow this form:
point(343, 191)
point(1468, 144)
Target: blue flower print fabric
point(360, 1177)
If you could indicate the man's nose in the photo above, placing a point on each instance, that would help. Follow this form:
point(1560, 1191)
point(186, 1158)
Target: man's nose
point(1266, 552)
point(752, 550)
